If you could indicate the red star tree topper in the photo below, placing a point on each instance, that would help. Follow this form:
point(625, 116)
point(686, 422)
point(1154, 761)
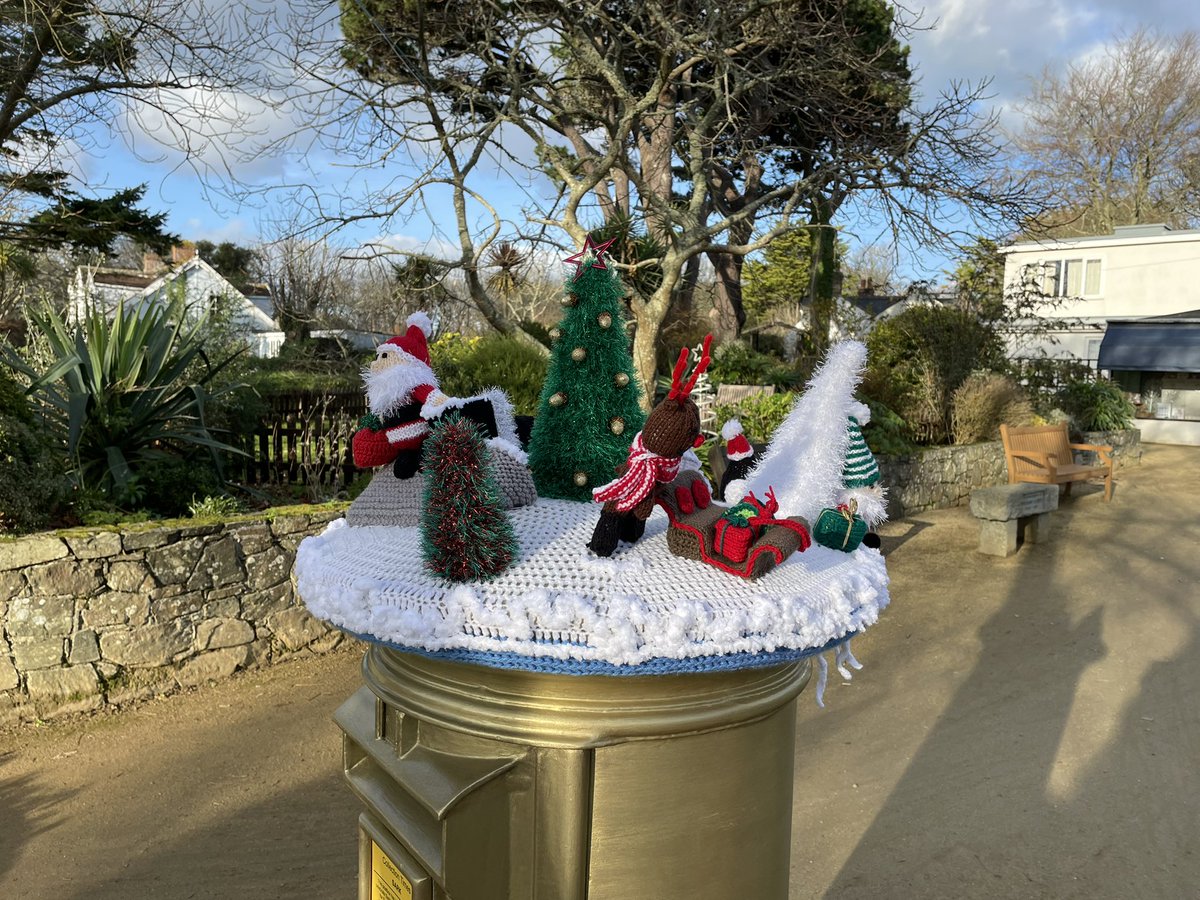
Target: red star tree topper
point(598, 250)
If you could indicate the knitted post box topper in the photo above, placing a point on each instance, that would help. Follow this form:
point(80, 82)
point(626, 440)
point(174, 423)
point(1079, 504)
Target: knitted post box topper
point(672, 428)
point(402, 394)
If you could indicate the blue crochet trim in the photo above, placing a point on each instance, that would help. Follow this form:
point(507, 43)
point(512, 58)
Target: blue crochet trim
point(657, 666)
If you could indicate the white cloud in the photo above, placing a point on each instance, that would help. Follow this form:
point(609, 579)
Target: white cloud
point(1012, 42)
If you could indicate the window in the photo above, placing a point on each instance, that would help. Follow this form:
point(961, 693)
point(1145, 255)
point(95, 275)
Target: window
point(1071, 278)
point(1050, 278)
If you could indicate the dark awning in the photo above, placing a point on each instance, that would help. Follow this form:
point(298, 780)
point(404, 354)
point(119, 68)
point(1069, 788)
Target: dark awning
point(1151, 345)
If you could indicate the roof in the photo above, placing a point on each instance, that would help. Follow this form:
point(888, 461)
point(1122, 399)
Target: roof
point(123, 278)
point(1158, 344)
point(1123, 235)
point(874, 304)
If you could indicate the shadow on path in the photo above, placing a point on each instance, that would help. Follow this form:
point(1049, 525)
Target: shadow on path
point(27, 810)
point(1064, 764)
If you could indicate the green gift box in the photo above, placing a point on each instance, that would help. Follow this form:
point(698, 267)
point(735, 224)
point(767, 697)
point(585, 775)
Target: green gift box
point(839, 529)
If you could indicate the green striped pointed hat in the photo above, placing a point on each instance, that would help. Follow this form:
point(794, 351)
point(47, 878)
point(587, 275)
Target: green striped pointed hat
point(860, 470)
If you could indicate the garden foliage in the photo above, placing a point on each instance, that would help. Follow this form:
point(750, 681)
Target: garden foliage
point(760, 414)
point(466, 366)
point(1098, 405)
point(984, 402)
point(919, 358)
point(737, 363)
point(128, 399)
point(32, 483)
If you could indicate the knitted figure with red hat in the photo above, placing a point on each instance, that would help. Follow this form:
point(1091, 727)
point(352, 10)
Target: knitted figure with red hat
point(671, 429)
point(403, 395)
point(739, 455)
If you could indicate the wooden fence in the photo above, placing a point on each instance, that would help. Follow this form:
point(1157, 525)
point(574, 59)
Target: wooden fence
point(303, 439)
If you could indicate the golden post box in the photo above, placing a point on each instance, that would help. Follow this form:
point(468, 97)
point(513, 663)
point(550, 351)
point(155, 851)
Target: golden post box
point(485, 783)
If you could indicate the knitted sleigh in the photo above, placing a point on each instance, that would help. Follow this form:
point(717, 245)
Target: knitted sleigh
point(693, 535)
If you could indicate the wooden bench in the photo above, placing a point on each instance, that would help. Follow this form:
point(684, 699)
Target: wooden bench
point(1009, 510)
point(1044, 454)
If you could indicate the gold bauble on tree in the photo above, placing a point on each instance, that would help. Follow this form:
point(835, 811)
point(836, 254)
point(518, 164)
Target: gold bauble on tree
point(581, 479)
point(604, 319)
point(616, 425)
point(558, 399)
point(555, 333)
point(579, 354)
point(569, 300)
point(621, 379)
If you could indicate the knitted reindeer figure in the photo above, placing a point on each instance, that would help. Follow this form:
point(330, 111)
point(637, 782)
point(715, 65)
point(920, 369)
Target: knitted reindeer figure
point(672, 428)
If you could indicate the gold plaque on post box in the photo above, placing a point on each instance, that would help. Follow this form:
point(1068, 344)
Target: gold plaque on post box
point(386, 871)
point(387, 881)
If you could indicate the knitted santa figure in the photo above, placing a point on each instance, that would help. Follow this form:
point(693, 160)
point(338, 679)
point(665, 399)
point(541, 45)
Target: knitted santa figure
point(403, 395)
point(738, 452)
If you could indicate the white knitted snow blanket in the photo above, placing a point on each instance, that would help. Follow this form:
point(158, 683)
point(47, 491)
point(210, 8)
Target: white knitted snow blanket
point(562, 609)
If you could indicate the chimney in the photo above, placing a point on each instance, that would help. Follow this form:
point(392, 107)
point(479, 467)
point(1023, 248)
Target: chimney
point(181, 253)
point(866, 287)
point(152, 263)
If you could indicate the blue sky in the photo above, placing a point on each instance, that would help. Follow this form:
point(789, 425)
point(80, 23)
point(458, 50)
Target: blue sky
point(1009, 42)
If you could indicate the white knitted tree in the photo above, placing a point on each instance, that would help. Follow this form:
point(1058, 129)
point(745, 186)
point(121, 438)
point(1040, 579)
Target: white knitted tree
point(806, 456)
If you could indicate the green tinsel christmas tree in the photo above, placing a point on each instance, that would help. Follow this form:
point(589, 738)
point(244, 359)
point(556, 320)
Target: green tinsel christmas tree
point(465, 534)
point(588, 412)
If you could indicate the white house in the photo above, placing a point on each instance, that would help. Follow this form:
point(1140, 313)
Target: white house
point(1128, 304)
point(106, 288)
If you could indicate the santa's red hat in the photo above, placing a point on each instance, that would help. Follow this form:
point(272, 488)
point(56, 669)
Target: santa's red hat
point(414, 342)
point(736, 445)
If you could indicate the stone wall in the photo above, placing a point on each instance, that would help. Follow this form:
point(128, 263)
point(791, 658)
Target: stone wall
point(942, 477)
point(91, 617)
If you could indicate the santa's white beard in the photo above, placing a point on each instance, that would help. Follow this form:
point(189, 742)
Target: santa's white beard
point(392, 387)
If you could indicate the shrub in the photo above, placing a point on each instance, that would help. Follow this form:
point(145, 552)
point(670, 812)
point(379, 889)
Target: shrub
point(466, 366)
point(214, 507)
point(887, 434)
point(983, 403)
point(918, 359)
point(760, 414)
point(737, 363)
point(1098, 405)
point(1043, 378)
point(130, 397)
point(32, 484)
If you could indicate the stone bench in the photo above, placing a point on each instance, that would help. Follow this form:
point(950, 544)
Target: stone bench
point(1007, 510)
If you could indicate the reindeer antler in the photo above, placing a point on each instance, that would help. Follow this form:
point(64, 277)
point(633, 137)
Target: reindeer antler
point(705, 359)
point(679, 390)
point(677, 376)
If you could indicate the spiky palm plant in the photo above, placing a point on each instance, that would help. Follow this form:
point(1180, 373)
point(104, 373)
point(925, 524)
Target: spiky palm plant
point(507, 260)
point(126, 391)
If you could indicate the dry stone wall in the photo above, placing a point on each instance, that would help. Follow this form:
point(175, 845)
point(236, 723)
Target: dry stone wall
point(104, 617)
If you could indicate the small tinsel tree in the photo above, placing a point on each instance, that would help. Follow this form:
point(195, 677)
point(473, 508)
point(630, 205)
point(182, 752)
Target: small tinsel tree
point(465, 534)
point(588, 412)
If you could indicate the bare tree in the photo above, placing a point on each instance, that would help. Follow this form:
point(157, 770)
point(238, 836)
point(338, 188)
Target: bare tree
point(307, 280)
point(1116, 136)
point(714, 128)
point(871, 267)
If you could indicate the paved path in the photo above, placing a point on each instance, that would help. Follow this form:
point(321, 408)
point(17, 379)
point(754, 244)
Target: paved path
point(1025, 727)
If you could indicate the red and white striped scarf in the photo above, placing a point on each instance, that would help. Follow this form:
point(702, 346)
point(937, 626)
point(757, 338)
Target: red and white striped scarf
point(645, 468)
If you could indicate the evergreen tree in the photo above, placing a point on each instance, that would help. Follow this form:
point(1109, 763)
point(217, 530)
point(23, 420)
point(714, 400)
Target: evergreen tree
point(588, 412)
point(465, 534)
